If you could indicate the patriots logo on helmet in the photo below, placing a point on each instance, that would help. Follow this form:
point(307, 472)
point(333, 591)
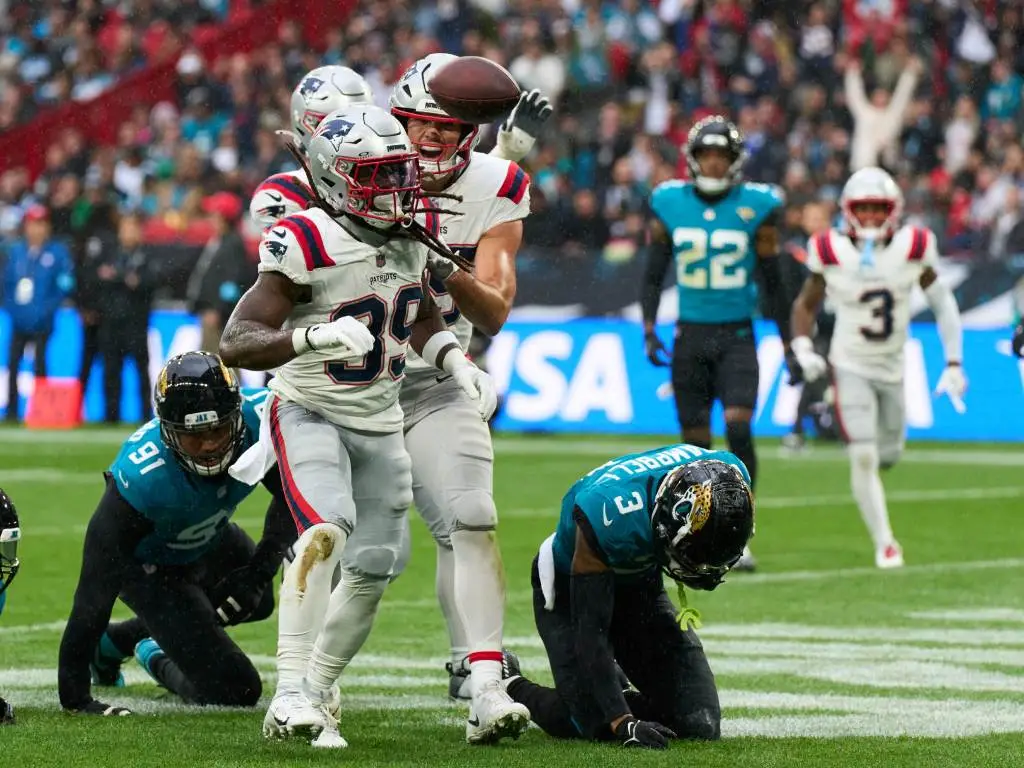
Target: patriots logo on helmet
point(335, 130)
point(276, 249)
point(310, 86)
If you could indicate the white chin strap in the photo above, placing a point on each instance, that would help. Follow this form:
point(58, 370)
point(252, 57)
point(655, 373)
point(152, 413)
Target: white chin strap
point(711, 186)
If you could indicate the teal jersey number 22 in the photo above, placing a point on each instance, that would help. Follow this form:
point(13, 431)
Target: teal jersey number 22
point(713, 244)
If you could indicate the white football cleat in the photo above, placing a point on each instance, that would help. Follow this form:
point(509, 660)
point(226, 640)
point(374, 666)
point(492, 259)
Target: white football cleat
point(330, 738)
point(889, 556)
point(494, 716)
point(292, 714)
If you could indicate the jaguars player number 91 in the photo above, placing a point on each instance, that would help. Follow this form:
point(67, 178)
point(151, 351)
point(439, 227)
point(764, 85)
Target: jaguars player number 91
point(719, 230)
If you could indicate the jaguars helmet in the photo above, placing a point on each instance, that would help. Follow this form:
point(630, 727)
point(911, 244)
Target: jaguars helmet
point(10, 535)
point(363, 164)
point(324, 90)
point(199, 408)
point(411, 98)
point(719, 133)
point(702, 518)
point(871, 186)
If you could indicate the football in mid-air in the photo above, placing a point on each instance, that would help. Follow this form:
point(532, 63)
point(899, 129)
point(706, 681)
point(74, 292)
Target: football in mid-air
point(475, 90)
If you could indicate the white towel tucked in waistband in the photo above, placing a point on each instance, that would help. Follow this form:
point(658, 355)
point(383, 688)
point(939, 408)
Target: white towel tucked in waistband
point(253, 465)
point(546, 571)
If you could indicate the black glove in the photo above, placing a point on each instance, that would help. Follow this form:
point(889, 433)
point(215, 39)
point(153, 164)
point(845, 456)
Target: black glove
point(530, 114)
point(1018, 340)
point(643, 733)
point(656, 352)
point(238, 594)
point(6, 713)
point(796, 373)
point(518, 133)
point(103, 710)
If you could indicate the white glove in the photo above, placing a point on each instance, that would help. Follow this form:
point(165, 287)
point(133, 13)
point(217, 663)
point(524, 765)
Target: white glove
point(475, 383)
point(953, 384)
point(811, 363)
point(520, 130)
point(440, 266)
point(346, 335)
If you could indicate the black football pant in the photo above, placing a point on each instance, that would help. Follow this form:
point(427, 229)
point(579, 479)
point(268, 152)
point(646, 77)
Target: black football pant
point(674, 684)
point(713, 362)
point(120, 338)
point(203, 664)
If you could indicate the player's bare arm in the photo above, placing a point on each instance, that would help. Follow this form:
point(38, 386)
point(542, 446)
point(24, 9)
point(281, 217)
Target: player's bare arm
point(253, 337)
point(429, 322)
point(440, 347)
point(806, 306)
point(485, 297)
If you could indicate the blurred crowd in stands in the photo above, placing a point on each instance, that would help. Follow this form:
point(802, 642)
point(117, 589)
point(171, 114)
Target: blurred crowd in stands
point(930, 88)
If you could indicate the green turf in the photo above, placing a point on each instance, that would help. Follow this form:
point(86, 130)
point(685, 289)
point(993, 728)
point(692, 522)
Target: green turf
point(821, 660)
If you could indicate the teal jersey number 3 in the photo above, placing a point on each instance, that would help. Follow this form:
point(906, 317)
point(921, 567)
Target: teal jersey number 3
point(713, 244)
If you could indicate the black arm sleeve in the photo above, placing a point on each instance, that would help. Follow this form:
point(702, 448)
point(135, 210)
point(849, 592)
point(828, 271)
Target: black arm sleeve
point(110, 541)
point(777, 297)
point(592, 602)
point(659, 258)
point(279, 530)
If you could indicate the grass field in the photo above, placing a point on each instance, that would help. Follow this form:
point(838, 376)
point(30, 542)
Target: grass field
point(821, 660)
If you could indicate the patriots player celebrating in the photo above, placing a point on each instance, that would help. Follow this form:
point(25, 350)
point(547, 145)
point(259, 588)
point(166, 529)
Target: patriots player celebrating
point(452, 457)
point(337, 305)
point(719, 229)
point(162, 540)
point(327, 89)
point(598, 596)
point(321, 91)
point(868, 269)
point(10, 535)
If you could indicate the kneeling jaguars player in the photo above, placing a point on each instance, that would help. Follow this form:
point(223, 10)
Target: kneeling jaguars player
point(600, 603)
point(162, 540)
point(10, 534)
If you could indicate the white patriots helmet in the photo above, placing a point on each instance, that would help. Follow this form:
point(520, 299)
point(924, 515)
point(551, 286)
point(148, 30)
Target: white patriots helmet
point(363, 164)
point(410, 98)
point(324, 90)
point(871, 185)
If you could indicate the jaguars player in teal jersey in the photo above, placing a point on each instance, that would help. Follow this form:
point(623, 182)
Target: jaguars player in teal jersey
point(599, 599)
point(10, 535)
point(719, 230)
point(162, 540)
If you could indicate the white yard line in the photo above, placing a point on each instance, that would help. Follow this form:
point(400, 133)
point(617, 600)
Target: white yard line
point(539, 445)
point(910, 496)
point(972, 616)
point(1009, 563)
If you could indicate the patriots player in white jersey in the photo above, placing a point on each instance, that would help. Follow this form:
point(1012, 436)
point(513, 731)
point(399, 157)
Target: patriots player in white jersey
point(321, 91)
point(338, 302)
point(868, 269)
point(452, 457)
